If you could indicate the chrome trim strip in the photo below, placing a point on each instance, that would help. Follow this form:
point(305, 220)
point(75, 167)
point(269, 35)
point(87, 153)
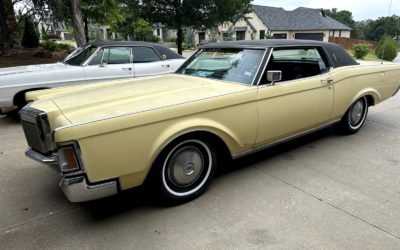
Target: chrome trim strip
point(259, 66)
point(91, 57)
point(145, 110)
point(266, 65)
point(77, 190)
point(277, 142)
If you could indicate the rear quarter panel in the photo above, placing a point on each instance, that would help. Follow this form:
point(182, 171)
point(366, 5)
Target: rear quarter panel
point(350, 83)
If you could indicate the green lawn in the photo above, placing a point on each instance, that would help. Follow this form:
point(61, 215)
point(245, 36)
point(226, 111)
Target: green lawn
point(370, 57)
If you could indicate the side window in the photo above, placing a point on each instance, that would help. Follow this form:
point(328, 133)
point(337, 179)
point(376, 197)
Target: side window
point(118, 55)
point(297, 63)
point(262, 34)
point(97, 59)
point(144, 55)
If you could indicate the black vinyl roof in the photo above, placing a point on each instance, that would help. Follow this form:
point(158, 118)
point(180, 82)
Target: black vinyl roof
point(336, 53)
point(164, 51)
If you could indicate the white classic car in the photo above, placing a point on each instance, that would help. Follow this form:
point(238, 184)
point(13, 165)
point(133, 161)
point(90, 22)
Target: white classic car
point(91, 63)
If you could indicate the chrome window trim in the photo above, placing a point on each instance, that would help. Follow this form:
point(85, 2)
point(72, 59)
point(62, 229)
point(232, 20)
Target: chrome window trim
point(91, 57)
point(145, 110)
point(266, 64)
point(279, 141)
point(259, 66)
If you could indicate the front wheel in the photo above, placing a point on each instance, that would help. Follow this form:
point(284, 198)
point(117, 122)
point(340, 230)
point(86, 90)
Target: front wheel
point(354, 118)
point(185, 170)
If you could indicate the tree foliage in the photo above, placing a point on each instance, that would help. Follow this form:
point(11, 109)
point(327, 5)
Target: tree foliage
point(230, 33)
point(124, 27)
point(142, 28)
point(200, 14)
point(213, 35)
point(387, 48)
point(361, 50)
point(375, 30)
point(345, 17)
point(30, 38)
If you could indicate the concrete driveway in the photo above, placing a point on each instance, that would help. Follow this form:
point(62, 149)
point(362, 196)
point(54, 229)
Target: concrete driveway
point(322, 191)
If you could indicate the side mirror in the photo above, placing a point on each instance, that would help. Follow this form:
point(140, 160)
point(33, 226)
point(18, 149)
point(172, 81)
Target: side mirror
point(274, 76)
point(103, 64)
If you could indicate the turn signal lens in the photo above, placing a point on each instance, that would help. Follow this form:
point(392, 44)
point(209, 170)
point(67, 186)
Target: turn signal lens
point(70, 159)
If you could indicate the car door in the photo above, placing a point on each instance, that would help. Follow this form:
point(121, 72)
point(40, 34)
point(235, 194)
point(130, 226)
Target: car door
point(147, 62)
point(300, 102)
point(111, 63)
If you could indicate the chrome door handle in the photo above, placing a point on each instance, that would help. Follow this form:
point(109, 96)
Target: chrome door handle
point(167, 65)
point(328, 80)
point(127, 68)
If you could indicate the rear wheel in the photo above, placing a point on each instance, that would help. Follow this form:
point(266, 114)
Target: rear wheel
point(354, 118)
point(185, 170)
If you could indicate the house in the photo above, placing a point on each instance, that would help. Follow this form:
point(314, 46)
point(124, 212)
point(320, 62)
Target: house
point(301, 23)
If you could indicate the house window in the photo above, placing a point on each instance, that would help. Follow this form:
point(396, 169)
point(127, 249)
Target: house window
point(262, 34)
point(240, 35)
point(158, 32)
point(202, 36)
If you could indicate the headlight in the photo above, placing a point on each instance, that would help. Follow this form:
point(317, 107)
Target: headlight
point(68, 160)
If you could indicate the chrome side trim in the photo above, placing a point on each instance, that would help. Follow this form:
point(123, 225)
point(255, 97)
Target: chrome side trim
point(77, 190)
point(145, 110)
point(53, 158)
point(266, 65)
point(277, 142)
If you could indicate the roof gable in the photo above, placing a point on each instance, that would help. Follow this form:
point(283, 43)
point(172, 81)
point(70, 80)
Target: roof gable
point(299, 19)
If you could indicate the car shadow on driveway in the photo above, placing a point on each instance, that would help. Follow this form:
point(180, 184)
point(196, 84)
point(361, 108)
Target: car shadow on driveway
point(138, 197)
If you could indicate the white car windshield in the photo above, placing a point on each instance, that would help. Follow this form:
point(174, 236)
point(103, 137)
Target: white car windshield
point(79, 56)
point(232, 65)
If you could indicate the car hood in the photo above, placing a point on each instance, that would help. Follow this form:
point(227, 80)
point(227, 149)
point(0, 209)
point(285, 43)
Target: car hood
point(122, 97)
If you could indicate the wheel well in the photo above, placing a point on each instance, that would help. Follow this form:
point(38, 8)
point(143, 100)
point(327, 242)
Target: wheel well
point(20, 96)
point(219, 145)
point(371, 100)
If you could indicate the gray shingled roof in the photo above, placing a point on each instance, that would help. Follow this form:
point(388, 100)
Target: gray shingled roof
point(298, 19)
point(251, 26)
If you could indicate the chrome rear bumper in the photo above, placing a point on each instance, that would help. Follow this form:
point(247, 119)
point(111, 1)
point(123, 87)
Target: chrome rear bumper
point(77, 190)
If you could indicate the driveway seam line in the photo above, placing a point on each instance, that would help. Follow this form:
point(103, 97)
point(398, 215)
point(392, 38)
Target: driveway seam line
point(383, 123)
point(328, 203)
point(38, 219)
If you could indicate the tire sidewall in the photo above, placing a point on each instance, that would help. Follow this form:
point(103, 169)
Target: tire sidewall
point(347, 121)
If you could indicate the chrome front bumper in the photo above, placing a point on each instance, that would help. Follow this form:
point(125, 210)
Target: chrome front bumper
point(75, 188)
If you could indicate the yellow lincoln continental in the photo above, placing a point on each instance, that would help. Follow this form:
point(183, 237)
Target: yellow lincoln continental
point(228, 98)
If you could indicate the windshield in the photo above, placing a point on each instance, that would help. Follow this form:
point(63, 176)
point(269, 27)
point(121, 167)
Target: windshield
point(79, 56)
point(232, 65)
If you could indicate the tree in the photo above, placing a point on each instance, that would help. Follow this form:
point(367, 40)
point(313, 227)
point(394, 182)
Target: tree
point(52, 30)
point(387, 48)
point(345, 17)
point(375, 30)
point(213, 35)
point(77, 21)
point(200, 14)
point(125, 27)
point(142, 28)
point(268, 35)
point(95, 33)
point(189, 37)
point(43, 30)
point(30, 38)
point(34, 9)
point(230, 33)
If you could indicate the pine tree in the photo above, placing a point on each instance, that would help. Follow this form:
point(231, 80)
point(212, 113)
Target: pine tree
point(390, 49)
point(30, 38)
point(230, 33)
point(52, 30)
point(213, 35)
point(43, 30)
point(189, 37)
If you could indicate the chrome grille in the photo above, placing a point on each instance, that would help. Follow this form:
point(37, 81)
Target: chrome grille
point(32, 135)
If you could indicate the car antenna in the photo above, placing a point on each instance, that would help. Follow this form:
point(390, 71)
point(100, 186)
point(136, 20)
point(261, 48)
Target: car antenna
point(384, 45)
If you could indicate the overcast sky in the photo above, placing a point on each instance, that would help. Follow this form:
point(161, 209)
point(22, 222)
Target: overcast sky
point(361, 9)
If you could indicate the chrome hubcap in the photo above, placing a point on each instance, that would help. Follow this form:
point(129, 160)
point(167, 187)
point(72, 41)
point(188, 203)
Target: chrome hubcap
point(356, 112)
point(186, 166)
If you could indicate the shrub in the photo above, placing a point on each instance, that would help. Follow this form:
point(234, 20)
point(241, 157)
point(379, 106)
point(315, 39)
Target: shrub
point(30, 38)
point(153, 38)
point(170, 40)
point(390, 49)
point(361, 50)
point(54, 36)
point(45, 37)
point(64, 46)
point(49, 45)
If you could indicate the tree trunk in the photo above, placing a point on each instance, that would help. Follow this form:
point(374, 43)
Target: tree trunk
point(86, 30)
point(4, 27)
point(76, 15)
point(180, 40)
